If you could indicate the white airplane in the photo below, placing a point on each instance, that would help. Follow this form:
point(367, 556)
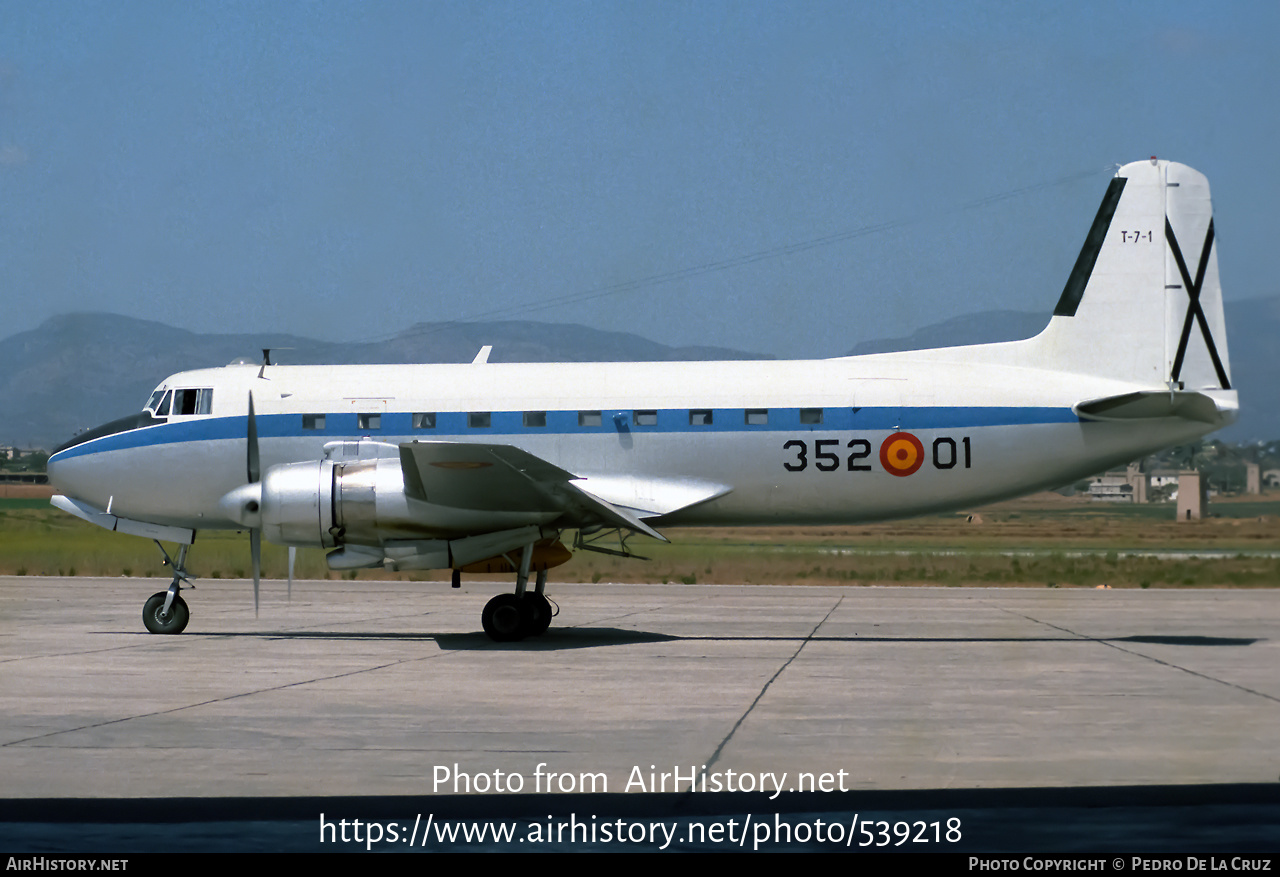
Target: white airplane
point(485, 467)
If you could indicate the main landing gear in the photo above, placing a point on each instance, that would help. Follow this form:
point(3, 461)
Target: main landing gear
point(512, 617)
point(165, 611)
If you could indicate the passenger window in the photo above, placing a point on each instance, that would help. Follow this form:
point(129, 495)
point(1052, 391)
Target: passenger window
point(478, 419)
point(535, 418)
point(369, 421)
point(810, 416)
point(700, 417)
point(313, 421)
point(424, 420)
point(757, 417)
point(645, 418)
point(588, 418)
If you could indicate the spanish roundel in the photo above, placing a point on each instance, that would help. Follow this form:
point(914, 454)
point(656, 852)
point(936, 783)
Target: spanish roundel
point(901, 454)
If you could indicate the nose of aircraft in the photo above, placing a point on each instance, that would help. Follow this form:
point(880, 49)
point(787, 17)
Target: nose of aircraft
point(71, 464)
point(69, 470)
point(67, 474)
point(119, 425)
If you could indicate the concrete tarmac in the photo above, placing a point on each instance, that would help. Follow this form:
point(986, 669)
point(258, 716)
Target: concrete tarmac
point(388, 688)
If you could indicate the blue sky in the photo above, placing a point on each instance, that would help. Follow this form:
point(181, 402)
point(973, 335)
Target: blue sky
point(785, 178)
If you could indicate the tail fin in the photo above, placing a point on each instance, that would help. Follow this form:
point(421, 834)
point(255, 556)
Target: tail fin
point(1143, 303)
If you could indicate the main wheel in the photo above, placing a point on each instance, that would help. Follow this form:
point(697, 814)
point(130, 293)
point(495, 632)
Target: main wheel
point(537, 614)
point(157, 622)
point(503, 618)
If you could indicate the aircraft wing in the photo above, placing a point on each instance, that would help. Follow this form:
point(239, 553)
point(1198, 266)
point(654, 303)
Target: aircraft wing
point(501, 478)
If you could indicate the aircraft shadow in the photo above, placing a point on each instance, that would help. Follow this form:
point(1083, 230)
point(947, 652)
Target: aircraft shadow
point(1188, 640)
point(552, 640)
point(595, 637)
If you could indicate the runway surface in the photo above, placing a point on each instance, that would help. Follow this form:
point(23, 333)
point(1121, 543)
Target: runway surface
point(362, 691)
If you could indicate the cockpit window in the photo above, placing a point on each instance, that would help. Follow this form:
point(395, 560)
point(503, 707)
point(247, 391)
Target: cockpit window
point(182, 402)
point(193, 401)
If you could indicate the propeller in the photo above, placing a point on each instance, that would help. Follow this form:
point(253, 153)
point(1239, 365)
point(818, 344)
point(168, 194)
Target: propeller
point(254, 474)
point(244, 506)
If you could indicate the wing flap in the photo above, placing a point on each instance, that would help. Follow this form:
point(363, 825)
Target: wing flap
point(652, 497)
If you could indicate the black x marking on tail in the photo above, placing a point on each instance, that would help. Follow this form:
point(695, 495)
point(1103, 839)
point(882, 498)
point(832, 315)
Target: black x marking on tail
point(1194, 312)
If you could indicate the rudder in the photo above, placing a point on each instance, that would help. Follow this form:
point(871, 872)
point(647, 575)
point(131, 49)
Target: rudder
point(1143, 303)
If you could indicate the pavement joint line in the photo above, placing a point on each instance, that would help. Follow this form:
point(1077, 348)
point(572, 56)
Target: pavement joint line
point(1151, 658)
point(77, 653)
point(229, 697)
point(715, 756)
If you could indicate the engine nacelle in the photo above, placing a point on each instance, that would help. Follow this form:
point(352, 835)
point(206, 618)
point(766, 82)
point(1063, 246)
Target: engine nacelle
point(297, 504)
point(326, 504)
point(361, 508)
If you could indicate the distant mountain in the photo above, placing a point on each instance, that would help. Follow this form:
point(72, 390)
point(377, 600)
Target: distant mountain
point(80, 370)
point(983, 328)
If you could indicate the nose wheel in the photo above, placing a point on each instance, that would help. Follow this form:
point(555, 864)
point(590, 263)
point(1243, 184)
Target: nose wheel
point(159, 619)
point(166, 612)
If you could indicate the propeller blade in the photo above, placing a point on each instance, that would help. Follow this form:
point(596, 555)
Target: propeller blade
point(255, 548)
point(252, 431)
point(293, 555)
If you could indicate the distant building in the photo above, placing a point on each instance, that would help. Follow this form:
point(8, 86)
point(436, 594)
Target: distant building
point(1112, 487)
point(23, 478)
point(1193, 500)
point(1138, 481)
point(1127, 486)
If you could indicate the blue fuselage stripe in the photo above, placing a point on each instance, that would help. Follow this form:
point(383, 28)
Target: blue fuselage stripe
point(455, 424)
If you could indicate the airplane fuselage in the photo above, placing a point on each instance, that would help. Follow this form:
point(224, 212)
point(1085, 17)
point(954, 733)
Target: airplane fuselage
point(793, 442)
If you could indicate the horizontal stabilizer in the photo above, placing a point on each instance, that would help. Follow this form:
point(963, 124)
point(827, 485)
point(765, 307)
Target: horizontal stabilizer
point(1148, 405)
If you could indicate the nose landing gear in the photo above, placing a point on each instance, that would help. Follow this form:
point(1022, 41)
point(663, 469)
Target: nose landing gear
point(164, 611)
